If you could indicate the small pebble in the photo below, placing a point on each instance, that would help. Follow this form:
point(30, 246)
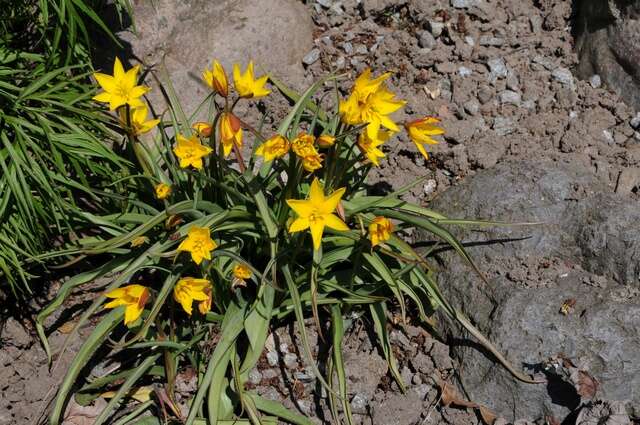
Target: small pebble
point(510, 97)
point(348, 48)
point(484, 94)
point(635, 122)
point(361, 49)
point(469, 40)
point(503, 126)
point(290, 360)
point(255, 377)
point(472, 107)
point(573, 115)
point(284, 347)
point(487, 40)
point(436, 28)
point(595, 81)
point(359, 403)
point(325, 3)
point(426, 40)
point(430, 187)
point(463, 4)
point(311, 57)
point(417, 379)
point(497, 68)
point(563, 76)
point(340, 62)
point(463, 71)
point(272, 358)
point(544, 61)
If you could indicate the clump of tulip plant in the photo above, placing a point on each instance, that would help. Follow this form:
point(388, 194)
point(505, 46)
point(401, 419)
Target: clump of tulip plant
point(231, 230)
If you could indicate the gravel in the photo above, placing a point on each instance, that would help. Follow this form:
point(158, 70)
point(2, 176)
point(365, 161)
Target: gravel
point(311, 57)
point(563, 76)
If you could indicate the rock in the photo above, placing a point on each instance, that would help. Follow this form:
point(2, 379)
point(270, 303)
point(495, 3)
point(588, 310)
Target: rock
point(628, 181)
point(595, 81)
point(272, 358)
point(603, 412)
point(325, 3)
point(486, 40)
point(497, 68)
point(422, 363)
point(255, 377)
point(359, 403)
point(189, 35)
point(290, 361)
point(463, 4)
point(311, 57)
point(430, 187)
point(13, 333)
point(436, 28)
point(503, 126)
point(426, 40)
point(608, 44)
point(544, 61)
point(519, 311)
point(635, 122)
point(472, 107)
point(463, 71)
point(510, 97)
point(484, 94)
point(563, 76)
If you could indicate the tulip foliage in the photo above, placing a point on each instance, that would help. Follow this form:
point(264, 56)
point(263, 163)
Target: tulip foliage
point(231, 230)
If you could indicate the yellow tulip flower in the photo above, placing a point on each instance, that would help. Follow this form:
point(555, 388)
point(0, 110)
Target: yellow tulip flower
point(316, 212)
point(326, 141)
point(120, 88)
point(190, 151)
point(380, 230)
point(162, 190)
point(302, 145)
point(203, 129)
point(230, 132)
point(133, 297)
point(369, 146)
point(241, 271)
point(138, 120)
point(420, 132)
point(276, 147)
point(312, 163)
point(190, 289)
point(246, 84)
point(199, 244)
point(370, 102)
point(216, 78)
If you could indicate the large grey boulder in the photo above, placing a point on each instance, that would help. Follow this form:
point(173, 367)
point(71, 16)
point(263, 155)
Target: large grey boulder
point(587, 251)
point(189, 34)
point(608, 44)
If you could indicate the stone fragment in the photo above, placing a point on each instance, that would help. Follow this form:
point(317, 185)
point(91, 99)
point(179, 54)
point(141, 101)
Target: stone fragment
point(311, 57)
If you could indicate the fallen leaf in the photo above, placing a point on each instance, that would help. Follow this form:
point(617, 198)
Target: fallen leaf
point(83, 415)
point(449, 397)
point(567, 306)
point(585, 384)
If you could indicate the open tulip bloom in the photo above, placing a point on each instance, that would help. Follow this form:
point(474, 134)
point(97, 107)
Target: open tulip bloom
point(236, 229)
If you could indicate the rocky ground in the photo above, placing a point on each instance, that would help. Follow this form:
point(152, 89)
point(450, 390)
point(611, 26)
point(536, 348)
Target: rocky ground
point(526, 141)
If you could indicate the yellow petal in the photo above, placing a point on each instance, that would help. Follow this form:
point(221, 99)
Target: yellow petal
point(301, 207)
point(317, 228)
point(132, 312)
point(332, 201)
point(316, 193)
point(299, 225)
point(335, 223)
